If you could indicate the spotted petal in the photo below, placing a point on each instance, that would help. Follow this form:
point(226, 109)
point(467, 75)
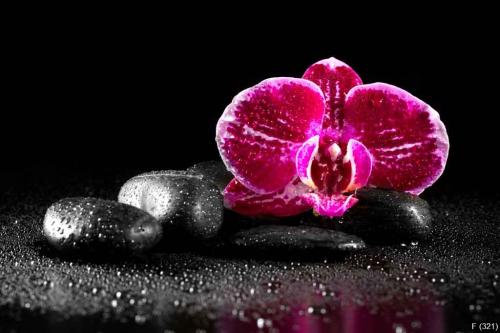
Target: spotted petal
point(335, 79)
point(406, 138)
point(286, 202)
point(260, 132)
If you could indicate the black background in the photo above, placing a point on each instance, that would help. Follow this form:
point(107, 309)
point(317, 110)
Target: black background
point(88, 94)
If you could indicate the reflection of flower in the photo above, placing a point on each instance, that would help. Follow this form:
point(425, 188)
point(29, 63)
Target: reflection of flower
point(293, 144)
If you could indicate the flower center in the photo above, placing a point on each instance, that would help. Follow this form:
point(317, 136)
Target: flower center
point(334, 168)
point(331, 170)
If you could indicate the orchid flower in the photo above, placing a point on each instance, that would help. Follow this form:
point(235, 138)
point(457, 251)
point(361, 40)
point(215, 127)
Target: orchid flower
point(295, 144)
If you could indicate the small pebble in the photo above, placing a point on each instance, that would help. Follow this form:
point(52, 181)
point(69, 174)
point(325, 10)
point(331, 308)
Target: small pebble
point(96, 225)
point(214, 171)
point(282, 238)
point(177, 198)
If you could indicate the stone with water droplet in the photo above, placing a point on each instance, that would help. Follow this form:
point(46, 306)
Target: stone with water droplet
point(96, 225)
point(214, 171)
point(282, 238)
point(180, 199)
point(383, 216)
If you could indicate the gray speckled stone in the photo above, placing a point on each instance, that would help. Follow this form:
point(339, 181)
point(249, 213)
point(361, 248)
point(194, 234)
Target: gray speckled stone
point(103, 226)
point(294, 238)
point(177, 198)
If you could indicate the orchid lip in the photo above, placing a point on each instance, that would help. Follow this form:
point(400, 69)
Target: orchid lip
point(333, 171)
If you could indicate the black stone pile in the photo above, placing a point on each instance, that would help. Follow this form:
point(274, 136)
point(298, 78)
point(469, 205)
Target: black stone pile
point(164, 210)
point(442, 284)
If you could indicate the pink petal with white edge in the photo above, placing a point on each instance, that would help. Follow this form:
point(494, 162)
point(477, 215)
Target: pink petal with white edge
point(305, 157)
point(360, 161)
point(286, 202)
point(406, 138)
point(330, 206)
point(260, 132)
point(335, 79)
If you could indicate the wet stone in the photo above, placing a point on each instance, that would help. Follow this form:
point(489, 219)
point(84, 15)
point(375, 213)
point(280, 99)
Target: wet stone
point(214, 171)
point(96, 225)
point(283, 238)
point(383, 216)
point(181, 201)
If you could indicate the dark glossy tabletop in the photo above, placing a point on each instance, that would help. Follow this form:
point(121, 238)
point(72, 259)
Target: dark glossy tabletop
point(444, 284)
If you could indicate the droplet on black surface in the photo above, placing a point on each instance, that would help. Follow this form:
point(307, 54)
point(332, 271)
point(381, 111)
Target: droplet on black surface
point(214, 171)
point(282, 238)
point(40, 292)
point(177, 199)
point(96, 225)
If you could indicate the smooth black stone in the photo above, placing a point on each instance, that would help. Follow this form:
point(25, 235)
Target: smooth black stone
point(181, 201)
point(215, 171)
point(389, 217)
point(96, 225)
point(282, 238)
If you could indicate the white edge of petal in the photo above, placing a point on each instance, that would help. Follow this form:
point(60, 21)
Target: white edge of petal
point(332, 63)
point(443, 141)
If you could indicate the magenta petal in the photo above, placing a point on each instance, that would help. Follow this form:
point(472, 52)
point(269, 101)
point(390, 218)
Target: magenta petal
point(335, 79)
point(305, 157)
point(330, 206)
point(406, 138)
point(260, 132)
point(360, 161)
point(286, 202)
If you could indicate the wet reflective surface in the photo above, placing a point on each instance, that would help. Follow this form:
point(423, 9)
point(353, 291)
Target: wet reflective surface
point(443, 284)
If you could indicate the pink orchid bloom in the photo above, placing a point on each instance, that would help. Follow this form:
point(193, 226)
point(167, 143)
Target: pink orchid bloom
point(295, 144)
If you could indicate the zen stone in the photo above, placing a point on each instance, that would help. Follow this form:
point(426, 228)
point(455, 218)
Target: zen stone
point(215, 171)
point(269, 238)
point(383, 216)
point(96, 225)
point(177, 198)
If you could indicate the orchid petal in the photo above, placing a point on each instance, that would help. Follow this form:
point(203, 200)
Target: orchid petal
point(305, 157)
point(260, 132)
point(360, 161)
point(406, 138)
point(286, 202)
point(330, 206)
point(335, 79)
